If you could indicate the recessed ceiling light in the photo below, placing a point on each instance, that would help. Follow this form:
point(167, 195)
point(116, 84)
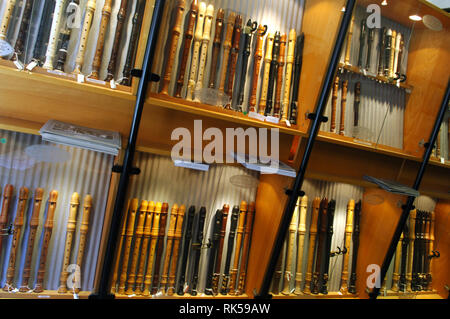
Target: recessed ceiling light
point(384, 3)
point(415, 17)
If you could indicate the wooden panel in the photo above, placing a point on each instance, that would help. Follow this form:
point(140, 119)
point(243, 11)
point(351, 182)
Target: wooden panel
point(270, 203)
point(441, 266)
point(378, 223)
point(320, 31)
point(428, 73)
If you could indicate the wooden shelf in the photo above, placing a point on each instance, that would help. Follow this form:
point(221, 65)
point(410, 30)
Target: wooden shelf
point(158, 100)
point(330, 295)
point(46, 294)
point(383, 79)
point(412, 295)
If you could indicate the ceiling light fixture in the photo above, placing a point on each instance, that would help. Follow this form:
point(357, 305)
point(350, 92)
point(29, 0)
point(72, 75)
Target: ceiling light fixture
point(384, 3)
point(415, 17)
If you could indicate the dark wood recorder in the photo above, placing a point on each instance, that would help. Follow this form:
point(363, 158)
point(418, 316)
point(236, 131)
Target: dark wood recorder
point(217, 44)
point(4, 216)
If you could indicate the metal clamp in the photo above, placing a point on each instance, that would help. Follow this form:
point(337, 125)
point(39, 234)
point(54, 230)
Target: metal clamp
point(338, 252)
point(119, 169)
point(289, 192)
point(7, 231)
point(435, 254)
point(312, 117)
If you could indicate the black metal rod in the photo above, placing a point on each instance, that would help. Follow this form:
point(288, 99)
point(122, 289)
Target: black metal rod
point(314, 129)
point(104, 285)
point(410, 201)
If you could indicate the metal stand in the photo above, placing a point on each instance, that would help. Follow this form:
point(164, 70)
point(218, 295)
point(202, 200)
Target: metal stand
point(409, 203)
point(314, 129)
point(127, 168)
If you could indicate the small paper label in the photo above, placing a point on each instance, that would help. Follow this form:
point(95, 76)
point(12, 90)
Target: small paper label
point(57, 72)
point(288, 124)
point(442, 160)
point(95, 81)
point(75, 296)
point(112, 83)
point(364, 72)
point(257, 116)
point(272, 119)
point(43, 296)
point(18, 65)
point(364, 143)
point(398, 83)
point(32, 65)
point(80, 78)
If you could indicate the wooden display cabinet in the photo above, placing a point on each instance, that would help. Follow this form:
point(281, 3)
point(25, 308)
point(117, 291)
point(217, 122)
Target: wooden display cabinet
point(30, 99)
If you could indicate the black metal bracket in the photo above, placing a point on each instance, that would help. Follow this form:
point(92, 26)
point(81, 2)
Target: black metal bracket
point(137, 73)
point(435, 254)
point(312, 117)
point(119, 169)
point(289, 192)
point(412, 208)
point(7, 231)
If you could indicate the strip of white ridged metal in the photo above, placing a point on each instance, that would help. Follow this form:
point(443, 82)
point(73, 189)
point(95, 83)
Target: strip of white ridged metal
point(76, 33)
point(86, 172)
point(279, 16)
point(341, 193)
point(161, 181)
point(382, 107)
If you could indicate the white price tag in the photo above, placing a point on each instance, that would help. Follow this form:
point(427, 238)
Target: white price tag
point(442, 160)
point(18, 65)
point(272, 119)
point(364, 72)
point(398, 83)
point(75, 296)
point(112, 83)
point(257, 116)
point(80, 78)
point(288, 124)
point(32, 65)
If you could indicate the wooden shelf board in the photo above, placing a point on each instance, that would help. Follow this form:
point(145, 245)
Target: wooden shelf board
point(330, 295)
point(383, 79)
point(185, 296)
point(413, 295)
point(46, 294)
point(158, 100)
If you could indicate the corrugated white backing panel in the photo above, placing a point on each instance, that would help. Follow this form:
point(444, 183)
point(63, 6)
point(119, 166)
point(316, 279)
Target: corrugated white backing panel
point(13, 31)
point(86, 172)
point(341, 193)
point(382, 107)
point(161, 181)
point(444, 137)
point(277, 15)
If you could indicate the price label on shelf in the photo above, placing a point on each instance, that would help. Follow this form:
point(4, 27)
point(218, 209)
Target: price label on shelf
point(257, 116)
point(112, 83)
point(288, 124)
point(80, 78)
point(32, 65)
point(272, 119)
point(18, 65)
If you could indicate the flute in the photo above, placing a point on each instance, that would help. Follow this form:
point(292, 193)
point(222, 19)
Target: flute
point(159, 249)
point(18, 223)
point(169, 246)
point(90, 10)
point(381, 46)
point(248, 31)
point(329, 236)
point(273, 73)
point(355, 240)
point(135, 31)
point(71, 226)
point(197, 243)
point(349, 42)
point(297, 73)
point(430, 249)
point(216, 275)
point(387, 52)
point(137, 245)
point(185, 251)
point(6, 18)
point(246, 249)
point(44, 31)
point(195, 55)
point(64, 36)
point(234, 54)
point(215, 239)
point(357, 103)
point(145, 242)
point(393, 46)
point(290, 250)
point(231, 237)
point(239, 237)
point(87, 205)
point(266, 73)
point(204, 48)
point(398, 42)
point(226, 49)
point(217, 44)
point(370, 39)
point(312, 243)
point(301, 242)
point(176, 249)
point(343, 105)
point(260, 33)
point(48, 227)
point(289, 67)
point(322, 231)
point(188, 36)
point(279, 81)
point(334, 104)
point(4, 216)
point(119, 249)
point(34, 223)
point(52, 42)
point(121, 15)
point(176, 31)
point(127, 240)
point(362, 42)
point(106, 15)
point(24, 29)
point(348, 238)
point(151, 254)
